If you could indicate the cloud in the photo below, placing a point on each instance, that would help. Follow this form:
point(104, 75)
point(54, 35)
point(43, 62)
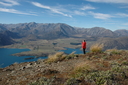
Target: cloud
point(15, 11)
point(50, 8)
point(125, 24)
point(87, 7)
point(9, 3)
point(122, 14)
point(79, 13)
point(124, 7)
point(100, 15)
point(109, 1)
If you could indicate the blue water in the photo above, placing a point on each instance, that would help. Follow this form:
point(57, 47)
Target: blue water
point(70, 50)
point(7, 59)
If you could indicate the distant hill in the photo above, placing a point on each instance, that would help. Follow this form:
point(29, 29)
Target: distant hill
point(117, 43)
point(5, 39)
point(10, 34)
point(98, 32)
point(34, 31)
point(122, 32)
point(54, 31)
point(42, 31)
point(2, 28)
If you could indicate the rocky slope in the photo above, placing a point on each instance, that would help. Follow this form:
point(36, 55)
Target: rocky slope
point(89, 69)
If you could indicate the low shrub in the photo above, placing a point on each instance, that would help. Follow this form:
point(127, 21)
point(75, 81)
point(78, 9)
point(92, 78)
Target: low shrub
point(124, 63)
point(43, 81)
point(113, 51)
point(59, 56)
point(97, 48)
point(72, 81)
point(71, 55)
point(115, 76)
point(82, 69)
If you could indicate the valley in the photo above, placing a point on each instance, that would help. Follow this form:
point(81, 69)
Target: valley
point(105, 66)
point(47, 38)
point(45, 47)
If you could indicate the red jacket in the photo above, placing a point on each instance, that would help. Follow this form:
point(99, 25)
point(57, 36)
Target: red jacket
point(84, 45)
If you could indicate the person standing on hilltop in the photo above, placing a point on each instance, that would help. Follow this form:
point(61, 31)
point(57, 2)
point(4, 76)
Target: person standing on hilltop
point(84, 46)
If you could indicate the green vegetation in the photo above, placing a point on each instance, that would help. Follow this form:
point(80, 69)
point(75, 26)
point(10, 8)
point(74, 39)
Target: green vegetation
point(113, 51)
point(96, 67)
point(43, 81)
point(101, 77)
point(102, 68)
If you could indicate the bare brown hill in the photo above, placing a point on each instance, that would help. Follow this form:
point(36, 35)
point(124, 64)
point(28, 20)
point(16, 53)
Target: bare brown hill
point(117, 43)
point(122, 32)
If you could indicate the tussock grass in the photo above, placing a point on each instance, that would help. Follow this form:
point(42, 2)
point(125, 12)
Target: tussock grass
point(96, 48)
point(85, 65)
point(101, 69)
point(82, 69)
point(114, 51)
point(71, 55)
point(59, 56)
point(89, 74)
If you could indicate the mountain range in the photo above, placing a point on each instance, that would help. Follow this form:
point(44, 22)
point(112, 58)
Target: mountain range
point(49, 31)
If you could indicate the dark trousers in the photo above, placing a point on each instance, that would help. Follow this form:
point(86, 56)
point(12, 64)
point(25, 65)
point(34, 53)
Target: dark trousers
point(84, 51)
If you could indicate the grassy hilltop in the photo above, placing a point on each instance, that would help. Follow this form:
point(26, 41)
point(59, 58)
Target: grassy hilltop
point(97, 67)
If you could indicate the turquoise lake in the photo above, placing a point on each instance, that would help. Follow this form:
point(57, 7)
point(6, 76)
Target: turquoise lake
point(7, 59)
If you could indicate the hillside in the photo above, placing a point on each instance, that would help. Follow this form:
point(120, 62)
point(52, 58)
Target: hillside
point(51, 37)
point(5, 38)
point(99, 32)
point(105, 68)
point(41, 31)
point(122, 32)
point(56, 30)
point(117, 43)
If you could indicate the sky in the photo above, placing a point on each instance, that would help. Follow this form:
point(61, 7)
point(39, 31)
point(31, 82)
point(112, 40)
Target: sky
point(109, 14)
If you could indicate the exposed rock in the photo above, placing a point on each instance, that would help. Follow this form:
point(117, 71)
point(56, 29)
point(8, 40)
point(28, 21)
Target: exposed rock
point(49, 71)
point(59, 73)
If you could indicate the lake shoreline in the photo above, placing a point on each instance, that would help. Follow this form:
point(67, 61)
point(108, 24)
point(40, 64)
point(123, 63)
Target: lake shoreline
point(23, 54)
point(99, 65)
point(27, 56)
point(9, 57)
